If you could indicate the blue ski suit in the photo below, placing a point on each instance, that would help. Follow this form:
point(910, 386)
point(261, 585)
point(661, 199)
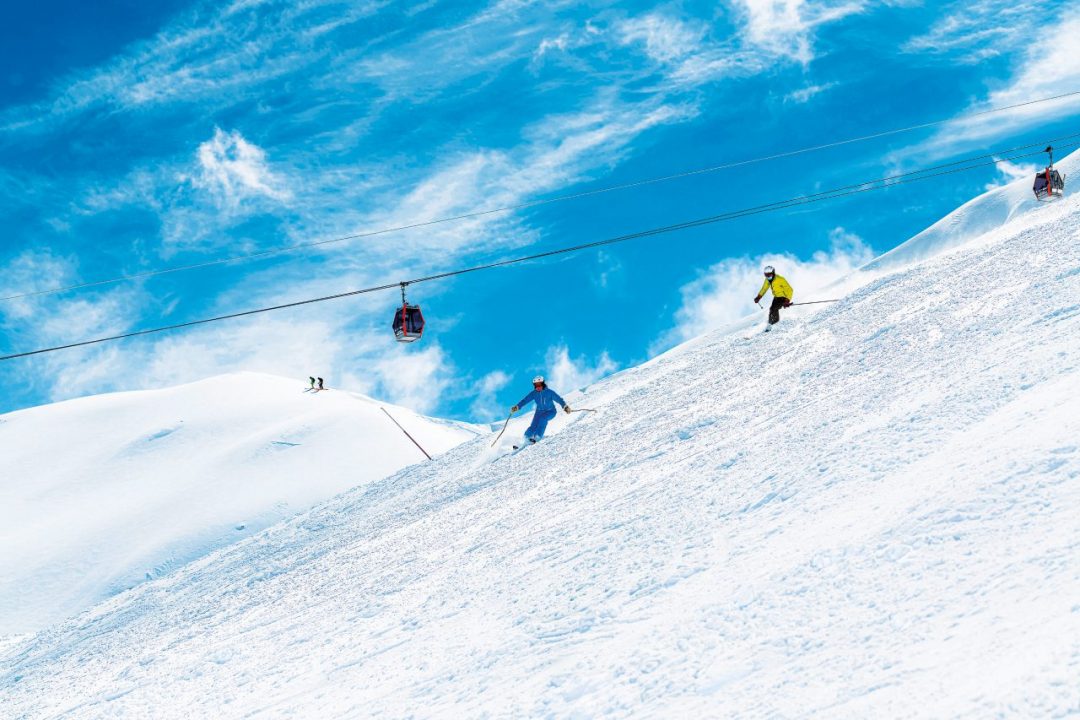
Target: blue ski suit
point(545, 410)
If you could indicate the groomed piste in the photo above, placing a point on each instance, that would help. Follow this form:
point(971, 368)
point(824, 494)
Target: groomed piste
point(873, 511)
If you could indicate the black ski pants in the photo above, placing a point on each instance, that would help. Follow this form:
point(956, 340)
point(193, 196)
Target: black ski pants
point(774, 309)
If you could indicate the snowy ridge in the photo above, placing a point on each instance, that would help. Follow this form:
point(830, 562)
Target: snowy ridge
point(871, 512)
point(136, 484)
point(991, 210)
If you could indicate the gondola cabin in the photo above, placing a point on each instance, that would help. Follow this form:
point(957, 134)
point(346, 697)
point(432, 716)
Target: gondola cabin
point(408, 323)
point(1049, 183)
point(408, 320)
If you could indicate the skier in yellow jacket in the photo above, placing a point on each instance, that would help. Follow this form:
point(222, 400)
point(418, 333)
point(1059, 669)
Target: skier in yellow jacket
point(781, 290)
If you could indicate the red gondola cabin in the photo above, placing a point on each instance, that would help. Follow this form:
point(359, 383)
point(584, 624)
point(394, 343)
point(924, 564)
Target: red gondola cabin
point(408, 323)
point(1049, 183)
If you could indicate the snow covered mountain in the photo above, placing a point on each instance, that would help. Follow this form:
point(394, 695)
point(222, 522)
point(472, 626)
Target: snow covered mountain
point(873, 511)
point(990, 211)
point(101, 493)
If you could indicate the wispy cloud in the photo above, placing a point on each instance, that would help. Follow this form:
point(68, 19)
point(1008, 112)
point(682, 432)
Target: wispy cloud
point(970, 32)
point(610, 267)
point(558, 43)
point(233, 169)
point(222, 182)
point(203, 57)
point(1010, 172)
point(805, 94)
point(416, 378)
point(769, 33)
point(664, 39)
point(566, 373)
point(40, 321)
point(29, 271)
point(487, 404)
point(785, 28)
point(1046, 68)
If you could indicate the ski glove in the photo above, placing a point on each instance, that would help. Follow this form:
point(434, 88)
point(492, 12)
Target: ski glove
point(787, 303)
point(566, 408)
point(757, 299)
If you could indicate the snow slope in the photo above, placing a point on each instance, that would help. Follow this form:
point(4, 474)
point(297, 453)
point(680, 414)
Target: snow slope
point(872, 512)
point(988, 212)
point(101, 493)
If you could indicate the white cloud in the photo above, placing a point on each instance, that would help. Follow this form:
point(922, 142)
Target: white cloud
point(477, 49)
point(413, 377)
point(725, 291)
point(770, 31)
point(79, 319)
point(610, 268)
point(970, 32)
point(1046, 68)
point(558, 151)
point(30, 271)
point(44, 321)
point(95, 371)
point(40, 321)
point(199, 197)
point(140, 187)
point(487, 405)
point(805, 94)
point(233, 169)
point(1051, 65)
point(1009, 172)
point(664, 39)
point(201, 57)
point(566, 374)
point(785, 28)
point(559, 43)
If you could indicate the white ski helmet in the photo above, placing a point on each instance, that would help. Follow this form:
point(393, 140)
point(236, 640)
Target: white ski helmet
point(539, 380)
point(769, 270)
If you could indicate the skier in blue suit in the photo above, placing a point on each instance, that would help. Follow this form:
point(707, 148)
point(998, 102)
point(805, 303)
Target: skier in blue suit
point(545, 399)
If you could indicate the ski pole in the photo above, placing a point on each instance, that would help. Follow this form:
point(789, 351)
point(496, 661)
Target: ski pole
point(406, 432)
point(815, 302)
point(503, 429)
point(583, 410)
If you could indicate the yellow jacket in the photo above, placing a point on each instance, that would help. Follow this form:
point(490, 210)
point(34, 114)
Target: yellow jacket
point(780, 288)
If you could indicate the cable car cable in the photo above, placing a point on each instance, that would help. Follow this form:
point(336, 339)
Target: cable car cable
point(844, 191)
point(531, 203)
point(733, 215)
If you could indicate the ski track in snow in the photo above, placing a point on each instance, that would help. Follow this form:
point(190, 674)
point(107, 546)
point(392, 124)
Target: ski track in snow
point(872, 512)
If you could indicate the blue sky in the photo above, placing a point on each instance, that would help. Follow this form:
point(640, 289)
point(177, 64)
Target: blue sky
point(137, 136)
